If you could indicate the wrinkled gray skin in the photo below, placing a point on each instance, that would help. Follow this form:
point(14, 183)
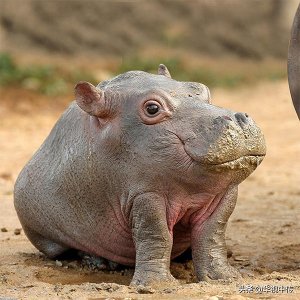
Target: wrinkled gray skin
point(138, 170)
point(294, 62)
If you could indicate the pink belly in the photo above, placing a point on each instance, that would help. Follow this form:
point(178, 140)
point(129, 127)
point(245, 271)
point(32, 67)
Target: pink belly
point(115, 242)
point(120, 247)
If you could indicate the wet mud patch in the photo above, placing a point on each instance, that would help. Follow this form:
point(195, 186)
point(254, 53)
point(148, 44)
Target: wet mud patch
point(184, 272)
point(66, 277)
point(67, 272)
point(72, 270)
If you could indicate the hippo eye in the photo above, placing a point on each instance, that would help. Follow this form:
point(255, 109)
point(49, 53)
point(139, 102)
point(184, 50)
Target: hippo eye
point(152, 109)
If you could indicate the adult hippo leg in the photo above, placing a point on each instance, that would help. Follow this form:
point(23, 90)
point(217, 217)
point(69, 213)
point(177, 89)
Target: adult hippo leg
point(294, 62)
point(152, 239)
point(208, 242)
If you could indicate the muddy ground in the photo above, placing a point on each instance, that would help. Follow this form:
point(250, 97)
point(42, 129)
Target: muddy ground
point(263, 235)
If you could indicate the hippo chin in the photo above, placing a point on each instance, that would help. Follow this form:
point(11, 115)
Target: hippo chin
point(138, 170)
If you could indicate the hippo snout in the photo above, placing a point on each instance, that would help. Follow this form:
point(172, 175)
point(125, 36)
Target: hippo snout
point(232, 139)
point(241, 119)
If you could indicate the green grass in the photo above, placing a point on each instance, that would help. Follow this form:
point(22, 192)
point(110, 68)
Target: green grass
point(52, 80)
point(211, 76)
point(45, 79)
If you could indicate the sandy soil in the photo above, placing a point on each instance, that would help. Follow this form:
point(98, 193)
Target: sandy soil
point(263, 234)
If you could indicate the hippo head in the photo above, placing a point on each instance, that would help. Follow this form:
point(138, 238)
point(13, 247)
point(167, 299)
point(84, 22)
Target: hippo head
point(166, 129)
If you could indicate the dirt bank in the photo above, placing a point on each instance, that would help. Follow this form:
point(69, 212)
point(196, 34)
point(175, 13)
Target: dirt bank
point(248, 29)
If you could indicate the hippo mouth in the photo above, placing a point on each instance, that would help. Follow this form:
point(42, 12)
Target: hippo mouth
point(248, 161)
point(242, 162)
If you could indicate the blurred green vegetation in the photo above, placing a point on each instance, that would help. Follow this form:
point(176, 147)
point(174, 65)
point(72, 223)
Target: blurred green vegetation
point(212, 77)
point(53, 80)
point(46, 79)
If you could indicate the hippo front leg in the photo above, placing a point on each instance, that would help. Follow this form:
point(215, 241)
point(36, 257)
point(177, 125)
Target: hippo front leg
point(152, 239)
point(208, 242)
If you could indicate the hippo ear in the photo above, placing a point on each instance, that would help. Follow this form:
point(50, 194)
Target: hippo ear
point(90, 99)
point(163, 70)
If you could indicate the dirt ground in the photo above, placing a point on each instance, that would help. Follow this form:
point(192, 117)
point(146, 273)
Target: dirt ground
point(263, 234)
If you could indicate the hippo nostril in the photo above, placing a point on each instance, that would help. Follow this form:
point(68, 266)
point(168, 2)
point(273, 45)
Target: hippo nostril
point(227, 118)
point(246, 115)
point(241, 119)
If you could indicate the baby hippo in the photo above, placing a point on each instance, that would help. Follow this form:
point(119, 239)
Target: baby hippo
point(138, 170)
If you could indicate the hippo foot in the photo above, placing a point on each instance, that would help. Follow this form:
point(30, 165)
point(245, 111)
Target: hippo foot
point(97, 263)
point(223, 273)
point(153, 280)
